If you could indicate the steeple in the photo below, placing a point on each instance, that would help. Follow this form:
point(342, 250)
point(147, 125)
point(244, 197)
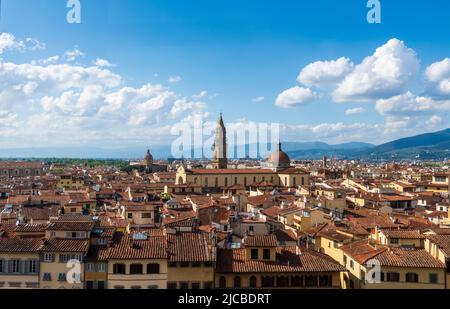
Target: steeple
point(220, 145)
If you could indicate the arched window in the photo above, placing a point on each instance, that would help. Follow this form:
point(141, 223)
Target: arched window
point(222, 282)
point(216, 182)
point(285, 181)
point(206, 181)
point(296, 281)
point(282, 282)
point(303, 181)
point(237, 282)
point(253, 282)
point(235, 180)
point(180, 180)
point(245, 181)
point(295, 181)
point(254, 178)
point(226, 182)
point(195, 180)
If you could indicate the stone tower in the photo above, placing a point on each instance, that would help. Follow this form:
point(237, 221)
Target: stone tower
point(220, 146)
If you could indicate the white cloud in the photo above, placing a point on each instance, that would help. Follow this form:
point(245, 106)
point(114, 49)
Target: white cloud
point(74, 54)
point(434, 121)
point(295, 96)
point(354, 111)
point(408, 104)
point(322, 73)
point(200, 95)
point(182, 105)
point(103, 63)
point(258, 99)
point(8, 41)
point(438, 77)
point(174, 79)
point(384, 74)
point(46, 61)
point(34, 44)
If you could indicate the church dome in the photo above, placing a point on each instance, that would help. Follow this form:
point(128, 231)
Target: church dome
point(279, 158)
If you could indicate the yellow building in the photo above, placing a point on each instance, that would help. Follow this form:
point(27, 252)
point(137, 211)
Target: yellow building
point(399, 268)
point(62, 263)
point(439, 247)
point(70, 182)
point(400, 238)
point(19, 263)
point(192, 258)
point(261, 263)
point(138, 261)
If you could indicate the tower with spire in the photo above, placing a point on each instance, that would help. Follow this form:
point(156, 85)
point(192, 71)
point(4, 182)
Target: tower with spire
point(220, 146)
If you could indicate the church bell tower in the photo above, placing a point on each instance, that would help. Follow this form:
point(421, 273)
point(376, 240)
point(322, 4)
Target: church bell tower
point(220, 146)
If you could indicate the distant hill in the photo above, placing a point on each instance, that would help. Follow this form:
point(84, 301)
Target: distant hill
point(434, 145)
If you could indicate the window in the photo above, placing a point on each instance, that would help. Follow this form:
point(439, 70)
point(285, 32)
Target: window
point(171, 285)
point(146, 215)
point(345, 260)
point(15, 266)
point(184, 285)
point(208, 285)
point(47, 277)
point(266, 254)
point(393, 277)
point(253, 282)
point(237, 282)
point(102, 241)
point(184, 264)
point(1, 266)
point(382, 276)
point(49, 258)
point(62, 277)
point(394, 241)
point(267, 282)
point(222, 282)
point(101, 285)
point(74, 234)
point(101, 267)
point(152, 268)
point(119, 269)
point(352, 264)
point(433, 278)
point(32, 267)
point(296, 281)
point(412, 277)
point(235, 180)
point(196, 264)
point(136, 269)
point(130, 215)
point(254, 254)
point(195, 285)
point(90, 267)
point(89, 285)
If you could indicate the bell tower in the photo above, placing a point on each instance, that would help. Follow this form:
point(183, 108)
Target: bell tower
point(220, 146)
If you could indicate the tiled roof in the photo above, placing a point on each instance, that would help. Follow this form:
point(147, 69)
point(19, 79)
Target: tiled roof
point(65, 245)
point(31, 228)
point(403, 234)
point(361, 251)
point(261, 241)
point(19, 245)
point(400, 257)
point(190, 247)
point(71, 226)
point(155, 247)
point(233, 261)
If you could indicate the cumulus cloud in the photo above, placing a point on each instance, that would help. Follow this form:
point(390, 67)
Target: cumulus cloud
point(384, 74)
point(408, 103)
point(322, 73)
point(354, 111)
point(438, 77)
point(103, 63)
point(8, 41)
point(295, 96)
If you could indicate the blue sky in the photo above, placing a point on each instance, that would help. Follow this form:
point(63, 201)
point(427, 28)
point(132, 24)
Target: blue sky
point(239, 57)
